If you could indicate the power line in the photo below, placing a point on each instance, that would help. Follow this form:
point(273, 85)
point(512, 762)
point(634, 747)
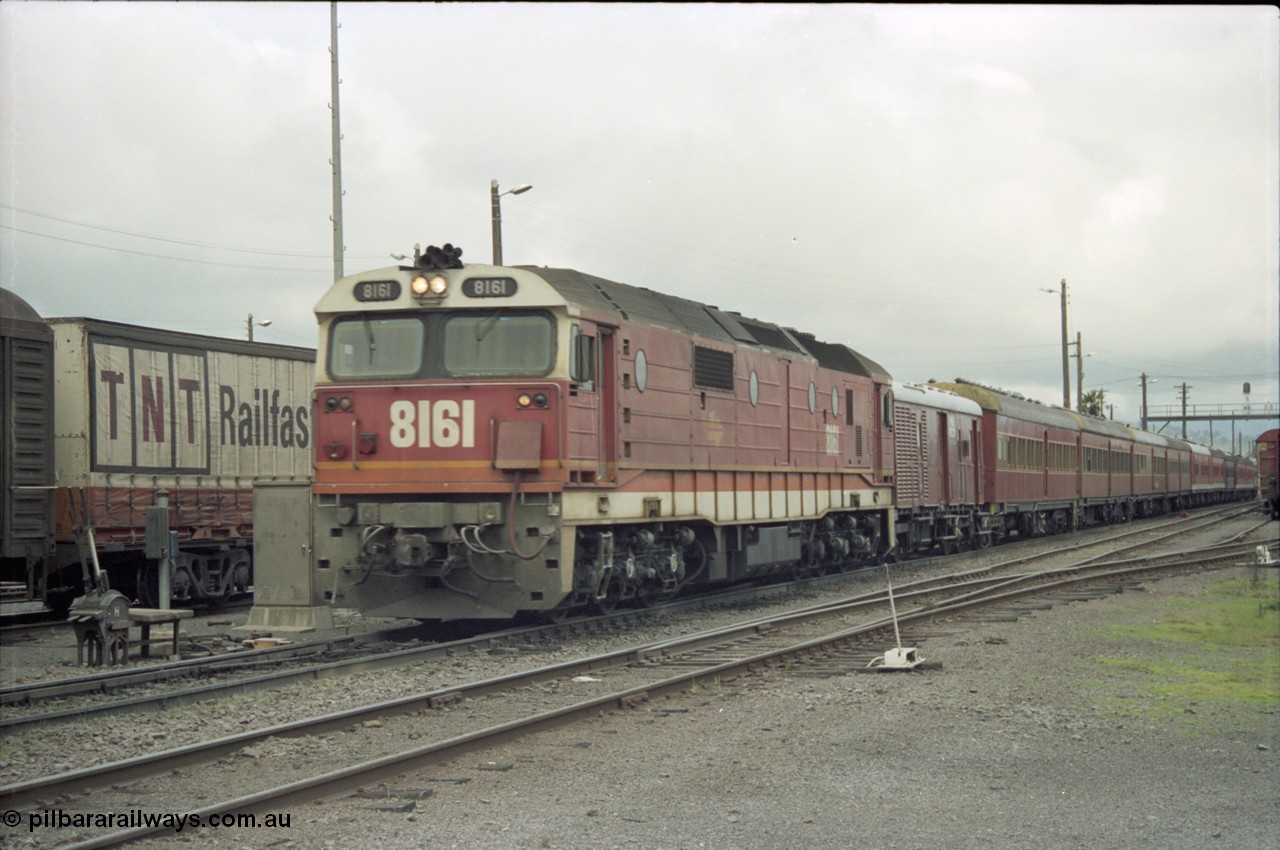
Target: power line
point(159, 256)
point(140, 235)
point(166, 239)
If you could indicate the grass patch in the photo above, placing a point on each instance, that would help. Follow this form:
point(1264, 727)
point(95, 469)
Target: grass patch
point(1218, 649)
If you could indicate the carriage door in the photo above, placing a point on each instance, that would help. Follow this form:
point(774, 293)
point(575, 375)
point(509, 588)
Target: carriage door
point(964, 463)
point(944, 449)
point(593, 375)
point(975, 462)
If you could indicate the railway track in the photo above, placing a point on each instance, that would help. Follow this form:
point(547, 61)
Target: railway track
point(347, 655)
point(389, 738)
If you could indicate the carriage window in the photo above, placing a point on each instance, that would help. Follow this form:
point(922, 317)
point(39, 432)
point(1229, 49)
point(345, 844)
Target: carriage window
point(361, 347)
point(497, 343)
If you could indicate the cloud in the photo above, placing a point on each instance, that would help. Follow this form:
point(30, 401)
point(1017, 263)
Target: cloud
point(902, 179)
point(995, 78)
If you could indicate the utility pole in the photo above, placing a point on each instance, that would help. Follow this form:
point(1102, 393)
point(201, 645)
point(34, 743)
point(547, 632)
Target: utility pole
point(336, 130)
point(1066, 365)
point(1182, 391)
point(1144, 401)
point(1066, 368)
point(1079, 375)
point(1066, 371)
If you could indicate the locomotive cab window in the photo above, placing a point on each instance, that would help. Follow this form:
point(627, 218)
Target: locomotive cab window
point(498, 342)
point(361, 347)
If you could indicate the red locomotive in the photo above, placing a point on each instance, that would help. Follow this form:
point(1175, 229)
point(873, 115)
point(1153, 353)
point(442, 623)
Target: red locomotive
point(491, 441)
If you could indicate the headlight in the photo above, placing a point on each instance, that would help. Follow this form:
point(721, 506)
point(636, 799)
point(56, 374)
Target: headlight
point(423, 286)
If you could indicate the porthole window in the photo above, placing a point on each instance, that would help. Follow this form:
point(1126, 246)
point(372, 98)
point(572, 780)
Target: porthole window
point(642, 370)
point(835, 402)
point(753, 388)
point(813, 397)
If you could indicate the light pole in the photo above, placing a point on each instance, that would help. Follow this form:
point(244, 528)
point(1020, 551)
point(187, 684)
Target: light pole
point(265, 323)
point(1145, 380)
point(495, 210)
point(335, 131)
point(1066, 360)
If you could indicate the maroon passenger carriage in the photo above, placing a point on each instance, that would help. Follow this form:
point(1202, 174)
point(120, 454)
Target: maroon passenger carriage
point(1055, 470)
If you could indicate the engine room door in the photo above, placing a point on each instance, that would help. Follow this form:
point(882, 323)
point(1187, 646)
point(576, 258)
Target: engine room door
point(592, 431)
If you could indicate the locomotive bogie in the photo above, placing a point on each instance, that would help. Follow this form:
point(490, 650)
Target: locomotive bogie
point(462, 558)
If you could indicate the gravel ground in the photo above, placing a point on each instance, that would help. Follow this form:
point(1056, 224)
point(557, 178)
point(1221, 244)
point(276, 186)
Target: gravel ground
point(1024, 738)
point(1017, 742)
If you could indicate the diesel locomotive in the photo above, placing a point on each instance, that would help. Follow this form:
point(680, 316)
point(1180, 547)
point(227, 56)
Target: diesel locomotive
point(493, 441)
point(496, 441)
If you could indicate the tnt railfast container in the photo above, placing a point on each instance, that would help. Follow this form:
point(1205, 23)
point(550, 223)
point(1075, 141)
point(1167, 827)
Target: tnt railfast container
point(144, 415)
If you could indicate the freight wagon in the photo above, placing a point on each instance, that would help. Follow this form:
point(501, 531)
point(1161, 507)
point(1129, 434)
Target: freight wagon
point(26, 449)
point(144, 416)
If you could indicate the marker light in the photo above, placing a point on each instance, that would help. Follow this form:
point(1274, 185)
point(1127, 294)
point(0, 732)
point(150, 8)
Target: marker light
point(538, 400)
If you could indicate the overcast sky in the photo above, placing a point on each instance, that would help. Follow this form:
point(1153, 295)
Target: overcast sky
point(902, 179)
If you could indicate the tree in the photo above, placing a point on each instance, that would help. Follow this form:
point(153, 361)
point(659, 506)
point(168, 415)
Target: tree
point(1092, 402)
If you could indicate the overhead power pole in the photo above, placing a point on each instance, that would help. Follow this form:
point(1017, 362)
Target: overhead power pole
point(1144, 401)
point(1079, 375)
point(1182, 391)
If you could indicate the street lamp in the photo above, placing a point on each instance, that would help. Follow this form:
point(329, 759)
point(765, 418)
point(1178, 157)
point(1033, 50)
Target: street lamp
point(265, 323)
point(496, 214)
point(1066, 368)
